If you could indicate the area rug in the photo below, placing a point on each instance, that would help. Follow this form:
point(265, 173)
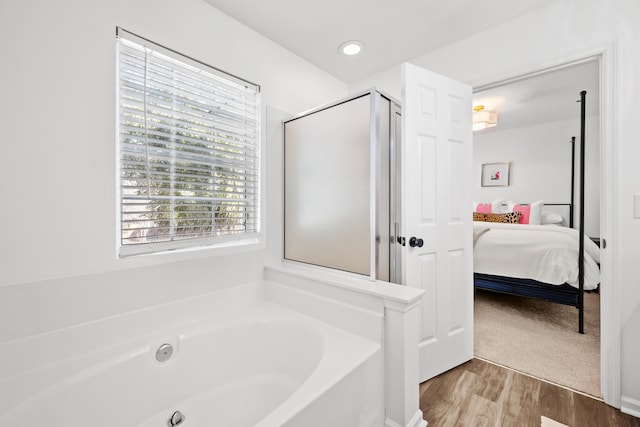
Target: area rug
point(540, 339)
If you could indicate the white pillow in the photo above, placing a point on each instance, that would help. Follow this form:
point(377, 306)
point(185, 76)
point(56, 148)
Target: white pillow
point(536, 212)
point(551, 218)
point(502, 208)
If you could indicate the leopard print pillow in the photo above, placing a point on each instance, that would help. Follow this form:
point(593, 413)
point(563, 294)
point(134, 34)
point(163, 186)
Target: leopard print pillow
point(477, 216)
point(509, 218)
point(512, 217)
point(492, 217)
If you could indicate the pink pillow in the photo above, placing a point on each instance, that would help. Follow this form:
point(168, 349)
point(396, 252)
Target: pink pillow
point(483, 208)
point(526, 212)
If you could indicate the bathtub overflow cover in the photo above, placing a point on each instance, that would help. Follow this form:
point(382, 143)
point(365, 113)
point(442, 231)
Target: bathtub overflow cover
point(176, 419)
point(164, 353)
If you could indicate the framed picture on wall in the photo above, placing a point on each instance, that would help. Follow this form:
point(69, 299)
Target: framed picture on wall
point(495, 174)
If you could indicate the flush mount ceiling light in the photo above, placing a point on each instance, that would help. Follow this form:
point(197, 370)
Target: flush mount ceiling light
point(483, 119)
point(352, 47)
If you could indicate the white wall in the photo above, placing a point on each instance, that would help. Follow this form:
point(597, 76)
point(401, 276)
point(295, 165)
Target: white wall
point(566, 30)
point(540, 167)
point(58, 263)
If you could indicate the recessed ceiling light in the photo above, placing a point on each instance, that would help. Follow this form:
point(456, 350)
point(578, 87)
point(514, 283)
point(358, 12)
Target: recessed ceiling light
point(352, 47)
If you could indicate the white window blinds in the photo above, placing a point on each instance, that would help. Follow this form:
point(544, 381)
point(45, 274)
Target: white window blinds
point(188, 150)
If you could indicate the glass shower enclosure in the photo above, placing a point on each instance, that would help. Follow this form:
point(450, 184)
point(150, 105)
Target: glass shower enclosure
point(341, 196)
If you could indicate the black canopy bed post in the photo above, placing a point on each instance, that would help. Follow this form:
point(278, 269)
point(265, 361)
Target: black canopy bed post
point(582, 101)
point(573, 180)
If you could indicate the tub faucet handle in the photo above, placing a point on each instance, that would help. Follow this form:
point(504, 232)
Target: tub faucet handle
point(176, 419)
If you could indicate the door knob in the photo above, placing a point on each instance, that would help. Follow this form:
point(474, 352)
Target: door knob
point(414, 241)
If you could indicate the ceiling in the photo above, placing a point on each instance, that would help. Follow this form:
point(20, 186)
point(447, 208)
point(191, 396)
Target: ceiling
point(400, 30)
point(392, 31)
point(543, 98)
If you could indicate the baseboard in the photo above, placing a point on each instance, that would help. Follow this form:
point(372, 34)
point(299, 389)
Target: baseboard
point(630, 406)
point(416, 421)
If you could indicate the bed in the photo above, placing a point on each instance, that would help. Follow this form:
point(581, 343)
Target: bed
point(550, 261)
point(537, 261)
point(545, 253)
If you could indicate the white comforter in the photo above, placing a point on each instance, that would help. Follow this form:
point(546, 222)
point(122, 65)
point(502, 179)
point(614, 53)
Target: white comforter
point(546, 253)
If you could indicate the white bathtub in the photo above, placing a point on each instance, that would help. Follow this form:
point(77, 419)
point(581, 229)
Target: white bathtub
point(251, 363)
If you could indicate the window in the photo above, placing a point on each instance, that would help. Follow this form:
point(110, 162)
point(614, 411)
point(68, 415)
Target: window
point(188, 150)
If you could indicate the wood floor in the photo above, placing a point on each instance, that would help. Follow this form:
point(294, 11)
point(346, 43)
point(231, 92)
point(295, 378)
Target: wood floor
point(479, 393)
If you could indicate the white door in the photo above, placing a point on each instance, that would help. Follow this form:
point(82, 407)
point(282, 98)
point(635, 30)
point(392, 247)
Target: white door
point(436, 212)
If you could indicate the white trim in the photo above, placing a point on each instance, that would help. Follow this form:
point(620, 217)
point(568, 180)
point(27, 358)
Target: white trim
point(630, 406)
point(252, 241)
point(351, 281)
point(401, 307)
point(608, 59)
point(610, 354)
point(416, 421)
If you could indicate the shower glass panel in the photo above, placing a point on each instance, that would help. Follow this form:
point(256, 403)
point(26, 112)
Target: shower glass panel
point(337, 186)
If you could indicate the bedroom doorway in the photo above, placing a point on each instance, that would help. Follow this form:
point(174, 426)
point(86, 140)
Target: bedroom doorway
point(537, 116)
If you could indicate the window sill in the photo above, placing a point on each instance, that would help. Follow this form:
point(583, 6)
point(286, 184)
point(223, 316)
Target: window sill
point(204, 247)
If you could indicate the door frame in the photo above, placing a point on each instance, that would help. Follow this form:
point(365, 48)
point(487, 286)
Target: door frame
point(607, 57)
